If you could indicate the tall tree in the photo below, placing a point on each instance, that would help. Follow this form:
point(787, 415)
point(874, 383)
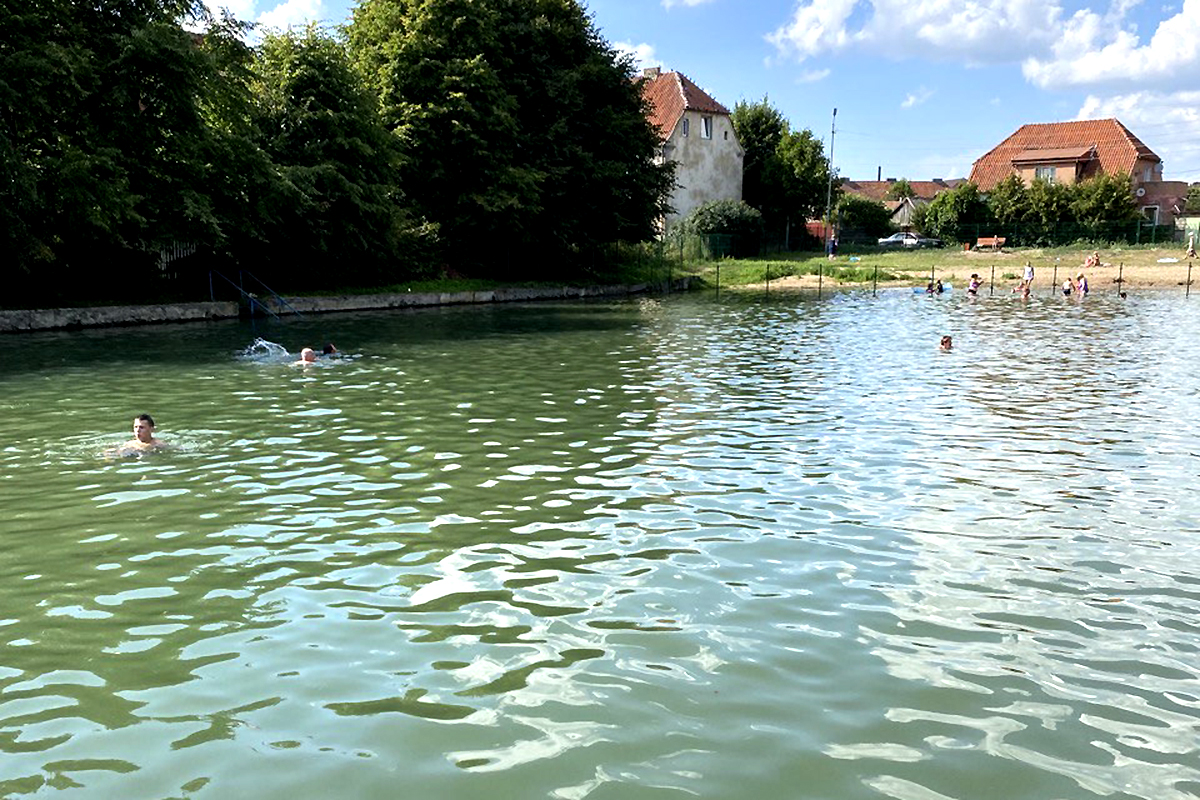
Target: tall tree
point(522, 128)
point(760, 127)
point(807, 175)
point(956, 215)
point(785, 172)
point(339, 206)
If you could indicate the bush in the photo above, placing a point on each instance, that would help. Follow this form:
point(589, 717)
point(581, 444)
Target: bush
point(727, 218)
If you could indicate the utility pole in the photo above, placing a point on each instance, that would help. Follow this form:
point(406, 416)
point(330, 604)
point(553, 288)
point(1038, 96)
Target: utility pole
point(829, 188)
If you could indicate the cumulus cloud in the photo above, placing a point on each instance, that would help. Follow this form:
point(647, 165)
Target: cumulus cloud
point(916, 98)
point(643, 54)
point(1096, 50)
point(291, 14)
point(688, 3)
point(1167, 122)
point(970, 31)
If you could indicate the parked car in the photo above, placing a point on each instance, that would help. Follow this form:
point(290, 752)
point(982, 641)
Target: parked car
point(909, 239)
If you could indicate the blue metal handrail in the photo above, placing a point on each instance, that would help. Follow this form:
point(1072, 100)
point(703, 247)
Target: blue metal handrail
point(250, 297)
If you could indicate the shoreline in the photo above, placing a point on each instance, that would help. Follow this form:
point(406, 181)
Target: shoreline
point(52, 319)
point(1104, 278)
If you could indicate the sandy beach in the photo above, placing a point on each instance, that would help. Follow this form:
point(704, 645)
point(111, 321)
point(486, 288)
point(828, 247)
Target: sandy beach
point(1131, 269)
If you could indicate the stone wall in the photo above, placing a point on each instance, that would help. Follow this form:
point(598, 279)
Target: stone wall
point(58, 318)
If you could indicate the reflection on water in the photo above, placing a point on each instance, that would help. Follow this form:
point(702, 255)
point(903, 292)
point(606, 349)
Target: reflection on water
point(756, 547)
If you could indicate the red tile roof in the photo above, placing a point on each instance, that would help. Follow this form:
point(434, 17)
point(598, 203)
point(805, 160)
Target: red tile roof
point(1117, 150)
point(670, 94)
point(878, 190)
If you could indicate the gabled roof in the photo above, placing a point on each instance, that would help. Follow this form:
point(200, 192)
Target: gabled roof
point(878, 190)
point(1117, 150)
point(670, 94)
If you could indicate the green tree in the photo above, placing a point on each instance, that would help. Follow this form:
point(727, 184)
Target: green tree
point(868, 217)
point(522, 129)
point(806, 175)
point(1009, 200)
point(1193, 199)
point(1049, 212)
point(1101, 204)
point(900, 189)
point(339, 206)
point(957, 215)
point(760, 128)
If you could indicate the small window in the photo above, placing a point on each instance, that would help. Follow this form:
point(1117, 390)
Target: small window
point(1151, 213)
point(1048, 174)
point(686, 126)
point(1148, 174)
point(706, 127)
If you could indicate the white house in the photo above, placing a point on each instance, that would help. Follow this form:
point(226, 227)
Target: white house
point(697, 134)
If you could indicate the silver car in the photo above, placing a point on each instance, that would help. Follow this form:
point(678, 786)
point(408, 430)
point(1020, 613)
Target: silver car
point(909, 239)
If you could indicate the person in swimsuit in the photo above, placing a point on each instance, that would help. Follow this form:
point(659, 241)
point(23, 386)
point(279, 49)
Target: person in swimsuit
point(946, 344)
point(973, 286)
point(307, 356)
point(1028, 273)
point(1081, 285)
point(1067, 287)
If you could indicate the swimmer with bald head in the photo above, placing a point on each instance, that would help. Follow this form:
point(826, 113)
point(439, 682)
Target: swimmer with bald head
point(307, 356)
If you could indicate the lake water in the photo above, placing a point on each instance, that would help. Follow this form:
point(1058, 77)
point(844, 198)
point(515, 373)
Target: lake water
point(746, 547)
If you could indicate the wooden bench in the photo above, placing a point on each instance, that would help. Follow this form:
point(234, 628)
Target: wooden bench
point(994, 242)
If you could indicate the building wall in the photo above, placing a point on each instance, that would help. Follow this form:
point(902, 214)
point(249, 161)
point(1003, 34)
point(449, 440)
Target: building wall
point(1066, 172)
point(706, 169)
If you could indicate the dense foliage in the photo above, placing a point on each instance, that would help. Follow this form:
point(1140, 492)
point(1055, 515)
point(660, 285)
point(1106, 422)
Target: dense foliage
point(900, 190)
point(523, 129)
point(1042, 213)
point(735, 219)
point(863, 217)
point(786, 173)
point(136, 154)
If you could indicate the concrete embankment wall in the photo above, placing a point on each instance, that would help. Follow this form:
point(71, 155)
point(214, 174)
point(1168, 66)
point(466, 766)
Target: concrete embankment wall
point(58, 318)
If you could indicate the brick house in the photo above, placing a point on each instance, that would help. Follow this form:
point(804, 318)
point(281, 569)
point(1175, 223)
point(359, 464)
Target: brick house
point(1071, 152)
point(697, 134)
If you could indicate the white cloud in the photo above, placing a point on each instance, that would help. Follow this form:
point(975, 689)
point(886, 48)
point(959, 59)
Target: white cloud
point(970, 31)
point(1095, 51)
point(643, 54)
point(291, 14)
point(688, 3)
point(1167, 122)
point(812, 76)
point(916, 98)
point(240, 9)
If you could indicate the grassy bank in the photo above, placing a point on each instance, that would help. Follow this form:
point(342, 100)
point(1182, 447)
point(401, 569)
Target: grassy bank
point(1145, 264)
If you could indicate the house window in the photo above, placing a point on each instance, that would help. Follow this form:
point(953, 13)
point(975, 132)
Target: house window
point(1151, 213)
point(686, 126)
point(706, 127)
point(1046, 174)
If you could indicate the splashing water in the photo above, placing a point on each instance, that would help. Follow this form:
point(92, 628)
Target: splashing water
point(263, 352)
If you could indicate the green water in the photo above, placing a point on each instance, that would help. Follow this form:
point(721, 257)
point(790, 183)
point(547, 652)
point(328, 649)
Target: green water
point(754, 547)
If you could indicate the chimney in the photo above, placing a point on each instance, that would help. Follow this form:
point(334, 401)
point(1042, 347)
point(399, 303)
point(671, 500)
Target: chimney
point(879, 173)
point(651, 72)
point(891, 180)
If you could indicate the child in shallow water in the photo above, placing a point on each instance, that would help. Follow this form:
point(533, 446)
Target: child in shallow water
point(946, 344)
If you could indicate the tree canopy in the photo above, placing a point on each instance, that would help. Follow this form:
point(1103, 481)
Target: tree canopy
point(523, 129)
point(786, 173)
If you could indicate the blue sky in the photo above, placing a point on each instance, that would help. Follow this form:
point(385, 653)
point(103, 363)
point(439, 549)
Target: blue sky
point(922, 88)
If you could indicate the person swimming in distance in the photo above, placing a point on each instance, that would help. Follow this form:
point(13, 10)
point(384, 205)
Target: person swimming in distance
point(946, 344)
point(307, 356)
point(329, 349)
